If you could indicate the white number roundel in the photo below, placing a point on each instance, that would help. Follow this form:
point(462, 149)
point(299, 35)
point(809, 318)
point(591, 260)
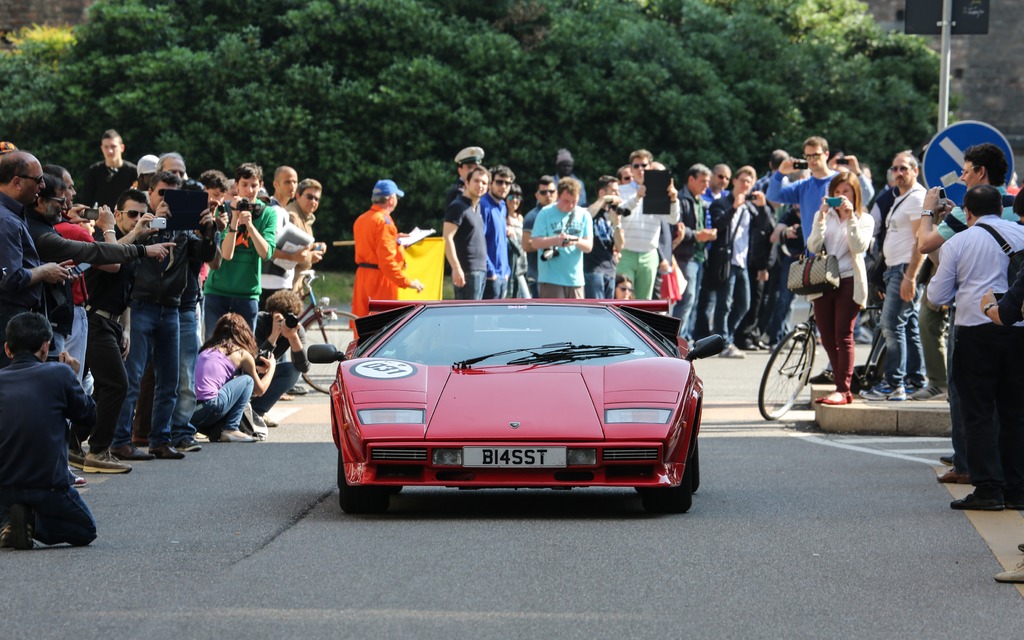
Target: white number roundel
point(384, 369)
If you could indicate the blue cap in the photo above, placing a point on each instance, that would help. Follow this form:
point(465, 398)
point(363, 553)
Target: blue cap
point(387, 188)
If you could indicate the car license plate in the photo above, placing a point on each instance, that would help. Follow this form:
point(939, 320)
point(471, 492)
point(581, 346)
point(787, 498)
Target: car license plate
point(513, 456)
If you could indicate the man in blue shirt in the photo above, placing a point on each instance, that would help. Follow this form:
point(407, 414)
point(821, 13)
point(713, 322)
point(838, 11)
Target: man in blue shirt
point(495, 213)
point(37, 399)
point(563, 232)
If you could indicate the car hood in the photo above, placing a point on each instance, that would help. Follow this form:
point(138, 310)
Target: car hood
point(510, 404)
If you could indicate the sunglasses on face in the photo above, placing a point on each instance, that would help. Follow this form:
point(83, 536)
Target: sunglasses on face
point(131, 214)
point(638, 165)
point(38, 179)
point(546, 192)
point(502, 182)
point(514, 198)
point(899, 169)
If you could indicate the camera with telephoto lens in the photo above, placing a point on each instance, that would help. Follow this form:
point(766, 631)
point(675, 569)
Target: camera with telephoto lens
point(243, 205)
point(291, 320)
point(550, 252)
point(623, 211)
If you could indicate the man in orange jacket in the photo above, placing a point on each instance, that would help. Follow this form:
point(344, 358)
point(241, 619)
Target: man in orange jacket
point(379, 260)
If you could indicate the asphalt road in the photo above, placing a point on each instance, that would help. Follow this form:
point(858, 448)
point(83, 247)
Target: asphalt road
point(792, 535)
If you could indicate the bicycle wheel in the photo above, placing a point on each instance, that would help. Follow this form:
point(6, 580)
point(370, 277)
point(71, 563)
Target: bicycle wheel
point(327, 326)
point(786, 374)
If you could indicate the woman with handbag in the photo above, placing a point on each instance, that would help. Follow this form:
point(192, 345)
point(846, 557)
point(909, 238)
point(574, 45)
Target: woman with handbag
point(842, 228)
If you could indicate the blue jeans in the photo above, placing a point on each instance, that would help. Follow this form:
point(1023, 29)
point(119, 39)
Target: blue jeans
point(285, 377)
point(216, 306)
point(495, 289)
point(224, 413)
point(598, 286)
point(474, 289)
point(782, 304)
point(904, 355)
point(686, 309)
point(188, 351)
point(154, 333)
point(730, 302)
point(60, 514)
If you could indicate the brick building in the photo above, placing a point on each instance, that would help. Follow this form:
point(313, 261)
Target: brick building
point(983, 68)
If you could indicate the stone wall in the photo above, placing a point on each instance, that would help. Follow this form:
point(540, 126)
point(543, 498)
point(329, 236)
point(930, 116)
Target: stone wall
point(16, 14)
point(984, 68)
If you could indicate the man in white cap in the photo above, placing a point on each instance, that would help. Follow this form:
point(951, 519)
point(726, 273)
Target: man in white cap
point(465, 161)
point(146, 168)
point(105, 181)
point(380, 263)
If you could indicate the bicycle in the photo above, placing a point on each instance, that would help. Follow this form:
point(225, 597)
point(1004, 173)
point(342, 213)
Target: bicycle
point(321, 322)
point(789, 368)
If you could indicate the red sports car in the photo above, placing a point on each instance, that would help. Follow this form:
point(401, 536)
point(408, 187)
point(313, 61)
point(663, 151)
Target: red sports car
point(524, 393)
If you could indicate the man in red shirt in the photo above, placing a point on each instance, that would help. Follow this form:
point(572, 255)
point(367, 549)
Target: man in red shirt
point(379, 260)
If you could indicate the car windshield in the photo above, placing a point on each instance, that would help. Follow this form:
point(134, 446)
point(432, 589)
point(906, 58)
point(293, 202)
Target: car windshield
point(445, 335)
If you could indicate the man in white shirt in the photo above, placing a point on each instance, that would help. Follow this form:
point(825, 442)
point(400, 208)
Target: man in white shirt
point(986, 363)
point(899, 321)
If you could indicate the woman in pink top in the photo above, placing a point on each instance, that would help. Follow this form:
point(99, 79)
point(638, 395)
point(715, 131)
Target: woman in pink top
point(227, 375)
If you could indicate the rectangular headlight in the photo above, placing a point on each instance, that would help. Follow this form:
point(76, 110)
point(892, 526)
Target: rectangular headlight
point(641, 416)
point(391, 416)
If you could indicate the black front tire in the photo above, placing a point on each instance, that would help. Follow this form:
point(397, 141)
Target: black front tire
point(694, 467)
point(671, 499)
point(359, 499)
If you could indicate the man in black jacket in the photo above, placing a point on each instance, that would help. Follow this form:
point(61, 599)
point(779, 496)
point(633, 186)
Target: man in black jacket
point(688, 244)
point(37, 399)
point(760, 261)
point(156, 297)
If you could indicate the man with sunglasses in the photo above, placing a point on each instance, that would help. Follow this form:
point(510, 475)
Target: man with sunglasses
point(721, 175)
point(545, 195)
point(21, 273)
point(494, 212)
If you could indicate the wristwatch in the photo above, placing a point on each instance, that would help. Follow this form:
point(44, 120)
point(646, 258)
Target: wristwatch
point(989, 306)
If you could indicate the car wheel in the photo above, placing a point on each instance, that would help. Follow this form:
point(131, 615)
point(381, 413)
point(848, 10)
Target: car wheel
point(671, 499)
point(358, 499)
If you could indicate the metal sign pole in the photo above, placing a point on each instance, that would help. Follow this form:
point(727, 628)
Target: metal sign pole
point(946, 44)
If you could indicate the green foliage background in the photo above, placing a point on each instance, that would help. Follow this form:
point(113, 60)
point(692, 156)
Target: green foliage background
point(350, 91)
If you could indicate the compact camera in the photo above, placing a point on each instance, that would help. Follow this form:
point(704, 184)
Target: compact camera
point(243, 205)
point(550, 252)
point(799, 165)
point(291, 320)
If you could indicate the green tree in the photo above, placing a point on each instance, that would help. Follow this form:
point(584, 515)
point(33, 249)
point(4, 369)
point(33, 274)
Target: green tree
point(350, 91)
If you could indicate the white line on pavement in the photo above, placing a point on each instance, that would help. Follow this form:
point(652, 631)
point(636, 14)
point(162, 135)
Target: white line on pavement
point(878, 452)
point(935, 451)
point(864, 440)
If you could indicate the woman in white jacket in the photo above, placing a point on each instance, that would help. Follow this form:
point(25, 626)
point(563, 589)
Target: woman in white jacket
point(842, 229)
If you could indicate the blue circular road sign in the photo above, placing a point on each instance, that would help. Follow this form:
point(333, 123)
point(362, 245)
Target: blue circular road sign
point(944, 158)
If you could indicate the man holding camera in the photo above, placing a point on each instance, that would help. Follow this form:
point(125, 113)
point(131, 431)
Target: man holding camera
point(250, 239)
point(155, 326)
point(599, 264)
point(563, 233)
point(379, 260)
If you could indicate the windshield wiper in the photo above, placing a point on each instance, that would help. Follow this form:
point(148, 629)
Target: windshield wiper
point(572, 352)
point(465, 364)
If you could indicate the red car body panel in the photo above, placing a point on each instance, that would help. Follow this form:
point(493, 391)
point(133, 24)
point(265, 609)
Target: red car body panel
point(549, 405)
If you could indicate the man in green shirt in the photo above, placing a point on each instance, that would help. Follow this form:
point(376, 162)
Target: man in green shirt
point(249, 239)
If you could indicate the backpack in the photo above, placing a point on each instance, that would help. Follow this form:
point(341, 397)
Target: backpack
point(1016, 257)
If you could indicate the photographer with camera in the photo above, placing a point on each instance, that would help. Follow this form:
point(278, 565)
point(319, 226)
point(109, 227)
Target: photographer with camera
point(599, 264)
point(564, 232)
point(249, 239)
point(278, 332)
point(229, 371)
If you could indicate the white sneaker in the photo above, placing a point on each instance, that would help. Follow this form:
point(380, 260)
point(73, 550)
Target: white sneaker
point(732, 352)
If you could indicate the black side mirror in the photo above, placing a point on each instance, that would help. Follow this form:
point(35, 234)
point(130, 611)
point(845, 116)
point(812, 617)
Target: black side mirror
point(704, 348)
point(324, 354)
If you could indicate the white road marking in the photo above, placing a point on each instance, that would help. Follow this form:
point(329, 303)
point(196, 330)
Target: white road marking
point(878, 452)
point(867, 439)
point(935, 451)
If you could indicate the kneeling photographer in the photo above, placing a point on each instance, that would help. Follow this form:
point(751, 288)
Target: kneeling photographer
point(278, 331)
